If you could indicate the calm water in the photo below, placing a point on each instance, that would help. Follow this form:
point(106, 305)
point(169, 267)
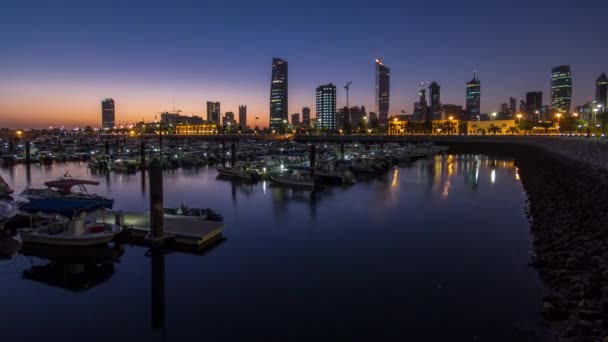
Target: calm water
point(435, 251)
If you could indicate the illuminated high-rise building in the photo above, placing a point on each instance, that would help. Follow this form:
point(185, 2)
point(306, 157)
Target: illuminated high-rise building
point(243, 117)
point(473, 108)
point(601, 91)
point(295, 119)
point(213, 112)
point(512, 105)
point(108, 113)
point(278, 94)
point(561, 88)
point(383, 91)
point(306, 117)
point(326, 107)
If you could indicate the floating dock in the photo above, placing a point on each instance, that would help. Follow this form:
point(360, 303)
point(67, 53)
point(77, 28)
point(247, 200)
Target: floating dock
point(187, 230)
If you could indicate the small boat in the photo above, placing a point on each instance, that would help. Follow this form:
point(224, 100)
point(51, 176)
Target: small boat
point(330, 173)
point(67, 222)
point(296, 179)
point(100, 162)
point(121, 165)
point(238, 172)
point(202, 213)
point(63, 188)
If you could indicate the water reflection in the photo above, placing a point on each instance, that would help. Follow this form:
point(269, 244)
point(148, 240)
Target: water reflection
point(302, 256)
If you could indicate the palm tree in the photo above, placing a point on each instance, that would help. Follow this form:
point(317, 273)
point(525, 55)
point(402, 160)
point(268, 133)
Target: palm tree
point(513, 130)
point(494, 129)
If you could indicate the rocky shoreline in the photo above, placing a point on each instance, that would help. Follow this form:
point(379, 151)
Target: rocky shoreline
point(568, 210)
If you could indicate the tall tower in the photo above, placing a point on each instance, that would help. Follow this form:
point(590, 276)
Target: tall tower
point(243, 117)
point(108, 114)
point(306, 117)
point(601, 91)
point(213, 112)
point(278, 94)
point(383, 91)
point(534, 104)
point(473, 97)
point(326, 107)
point(435, 97)
point(561, 88)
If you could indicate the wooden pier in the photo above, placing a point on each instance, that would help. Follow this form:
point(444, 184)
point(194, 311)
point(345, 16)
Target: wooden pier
point(186, 230)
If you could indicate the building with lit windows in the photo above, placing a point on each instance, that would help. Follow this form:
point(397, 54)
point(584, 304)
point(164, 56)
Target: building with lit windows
point(278, 94)
point(383, 91)
point(201, 129)
point(108, 114)
point(473, 97)
point(435, 98)
point(561, 88)
point(306, 117)
point(326, 107)
point(401, 125)
point(601, 91)
point(491, 127)
point(213, 112)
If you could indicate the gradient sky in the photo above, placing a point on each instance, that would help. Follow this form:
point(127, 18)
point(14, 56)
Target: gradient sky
point(59, 58)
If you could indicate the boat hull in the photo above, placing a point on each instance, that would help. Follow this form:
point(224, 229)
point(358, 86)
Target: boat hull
point(53, 240)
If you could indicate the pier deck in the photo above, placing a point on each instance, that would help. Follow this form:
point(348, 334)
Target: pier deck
point(186, 230)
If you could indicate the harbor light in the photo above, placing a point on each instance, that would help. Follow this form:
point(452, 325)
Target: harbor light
point(19, 133)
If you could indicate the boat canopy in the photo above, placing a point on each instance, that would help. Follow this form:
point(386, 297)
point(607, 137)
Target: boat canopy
point(65, 185)
point(67, 207)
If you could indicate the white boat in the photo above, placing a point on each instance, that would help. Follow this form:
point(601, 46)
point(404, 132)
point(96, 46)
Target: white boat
point(67, 223)
point(296, 179)
point(238, 172)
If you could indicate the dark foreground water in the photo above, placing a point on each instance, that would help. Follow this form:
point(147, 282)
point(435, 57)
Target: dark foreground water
point(433, 252)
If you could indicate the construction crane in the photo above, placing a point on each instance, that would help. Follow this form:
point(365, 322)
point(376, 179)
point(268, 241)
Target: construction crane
point(347, 87)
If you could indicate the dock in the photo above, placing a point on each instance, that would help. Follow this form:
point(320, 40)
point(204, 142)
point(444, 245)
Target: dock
point(187, 230)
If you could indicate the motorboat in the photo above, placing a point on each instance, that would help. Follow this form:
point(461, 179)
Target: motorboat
point(67, 222)
point(64, 188)
point(202, 213)
point(238, 172)
point(296, 179)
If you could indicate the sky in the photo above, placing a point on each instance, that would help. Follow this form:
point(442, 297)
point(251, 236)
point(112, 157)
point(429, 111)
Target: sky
point(58, 59)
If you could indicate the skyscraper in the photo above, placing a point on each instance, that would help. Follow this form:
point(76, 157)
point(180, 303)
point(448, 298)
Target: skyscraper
point(108, 114)
point(243, 117)
point(561, 88)
point(213, 112)
point(601, 91)
point(229, 119)
point(435, 98)
point(423, 109)
point(295, 119)
point(534, 103)
point(278, 94)
point(512, 105)
point(383, 90)
point(473, 97)
point(326, 107)
point(306, 117)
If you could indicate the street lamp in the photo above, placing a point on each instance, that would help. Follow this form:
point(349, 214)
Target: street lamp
point(494, 116)
point(450, 128)
point(519, 116)
point(559, 115)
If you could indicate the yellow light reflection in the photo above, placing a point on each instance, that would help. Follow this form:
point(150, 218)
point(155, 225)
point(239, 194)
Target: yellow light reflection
point(394, 184)
point(493, 176)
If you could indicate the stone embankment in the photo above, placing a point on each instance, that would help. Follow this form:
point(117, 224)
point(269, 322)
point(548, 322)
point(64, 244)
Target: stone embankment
point(567, 187)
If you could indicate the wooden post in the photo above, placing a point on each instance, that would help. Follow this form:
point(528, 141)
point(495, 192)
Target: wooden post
point(233, 154)
point(156, 199)
point(313, 159)
point(142, 155)
point(27, 152)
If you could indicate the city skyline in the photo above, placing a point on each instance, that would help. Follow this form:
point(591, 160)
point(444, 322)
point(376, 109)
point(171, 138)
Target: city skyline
point(149, 70)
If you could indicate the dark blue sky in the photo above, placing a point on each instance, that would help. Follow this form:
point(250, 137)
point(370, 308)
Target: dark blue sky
point(59, 58)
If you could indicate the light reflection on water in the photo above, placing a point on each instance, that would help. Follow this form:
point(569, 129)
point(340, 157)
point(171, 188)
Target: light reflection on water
point(434, 251)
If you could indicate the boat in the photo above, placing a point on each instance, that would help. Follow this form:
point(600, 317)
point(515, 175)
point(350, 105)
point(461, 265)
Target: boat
point(330, 173)
point(296, 179)
point(125, 166)
point(5, 189)
point(63, 188)
point(67, 222)
point(100, 162)
point(238, 172)
point(202, 213)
